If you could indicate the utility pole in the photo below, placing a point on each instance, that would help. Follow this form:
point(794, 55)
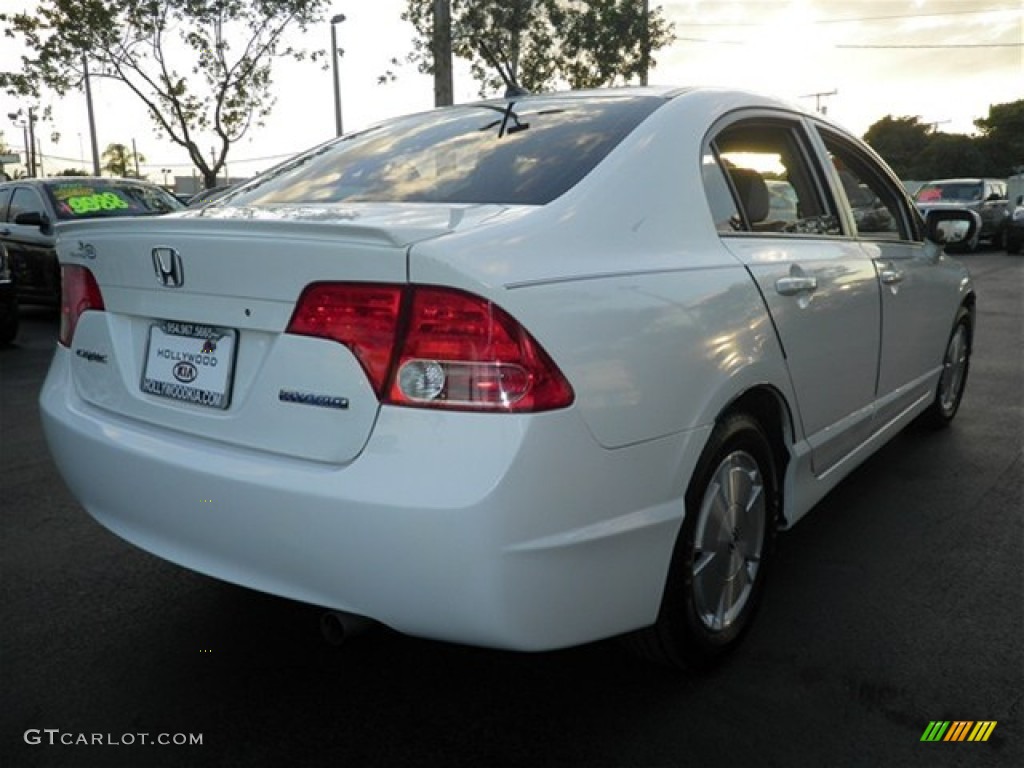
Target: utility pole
point(442, 45)
point(821, 109)
point(135, 155)
point(92, 119)
point(32, 156)
point(934, 125)
point(645, 52)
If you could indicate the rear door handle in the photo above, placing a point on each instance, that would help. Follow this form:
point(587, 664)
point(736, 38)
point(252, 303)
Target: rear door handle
point(794, 285)
point(4, 232)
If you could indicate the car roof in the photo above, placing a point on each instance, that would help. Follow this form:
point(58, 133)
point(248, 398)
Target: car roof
point(48, 180)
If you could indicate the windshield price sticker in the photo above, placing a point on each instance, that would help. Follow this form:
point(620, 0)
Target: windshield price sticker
point(79, 201)
point(191, 363)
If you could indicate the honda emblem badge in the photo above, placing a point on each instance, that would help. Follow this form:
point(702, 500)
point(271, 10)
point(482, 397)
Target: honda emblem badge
point(169, 271)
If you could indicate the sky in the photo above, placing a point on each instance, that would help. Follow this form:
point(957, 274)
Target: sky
point(943, 61)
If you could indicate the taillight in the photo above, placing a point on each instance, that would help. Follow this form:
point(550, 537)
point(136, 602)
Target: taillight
point(434, 347)
point(79, 293)
point(362, 316)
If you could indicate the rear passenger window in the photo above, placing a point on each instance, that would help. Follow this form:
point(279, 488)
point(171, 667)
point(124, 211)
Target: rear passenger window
point(24, 200)
point(763, 165)
point(878, 208)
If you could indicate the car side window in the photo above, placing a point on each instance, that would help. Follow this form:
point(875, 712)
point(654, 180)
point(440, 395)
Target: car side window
point(24, 200)
point(764, 166)
point(879, 210)
point(5, 198)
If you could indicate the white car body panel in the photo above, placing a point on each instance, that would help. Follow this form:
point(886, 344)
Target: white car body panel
point(830, 334)
point(524, 531)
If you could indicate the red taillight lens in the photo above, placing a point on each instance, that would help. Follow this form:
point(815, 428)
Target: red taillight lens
point(79, 293)
point(461, 351)
point(434, 347)
point(362, 316)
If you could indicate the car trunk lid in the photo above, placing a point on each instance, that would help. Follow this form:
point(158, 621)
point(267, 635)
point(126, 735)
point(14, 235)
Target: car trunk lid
point(193, 337)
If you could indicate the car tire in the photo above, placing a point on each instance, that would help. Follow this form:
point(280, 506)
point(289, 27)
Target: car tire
point(720, 561)
point(1012, 244)
point(956, 363)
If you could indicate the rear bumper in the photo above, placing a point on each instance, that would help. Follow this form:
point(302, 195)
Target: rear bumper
point(516, 532)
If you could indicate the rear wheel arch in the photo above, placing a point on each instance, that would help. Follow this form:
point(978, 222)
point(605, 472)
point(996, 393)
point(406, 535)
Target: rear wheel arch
point(767, 406)
point(750, 435)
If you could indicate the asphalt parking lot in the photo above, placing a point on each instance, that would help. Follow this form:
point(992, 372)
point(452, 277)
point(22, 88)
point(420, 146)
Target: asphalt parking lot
point(898, 602)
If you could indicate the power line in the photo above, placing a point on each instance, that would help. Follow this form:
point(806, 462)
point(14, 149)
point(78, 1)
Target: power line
point(949, 46)
point(929, 47)
point(854, 19)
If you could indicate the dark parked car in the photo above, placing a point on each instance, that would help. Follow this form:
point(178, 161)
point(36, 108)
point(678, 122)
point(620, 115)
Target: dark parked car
point(8, 300)
point(986, 197)
point(1014, 236)
point(32, 212)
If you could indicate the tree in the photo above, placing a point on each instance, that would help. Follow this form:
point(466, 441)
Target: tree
point(118, 160)
point(540, 44)
point(1002, 138)
point(948, 156)
point(202, 68)
point(73, 172)
point(899, 140)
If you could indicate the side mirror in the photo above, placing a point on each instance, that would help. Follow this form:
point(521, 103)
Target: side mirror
point(1020, 199)
point(34, 219)
point(955, 225)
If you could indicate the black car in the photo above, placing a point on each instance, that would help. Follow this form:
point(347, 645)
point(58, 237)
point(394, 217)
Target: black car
point(8, 300)
point(33, 210)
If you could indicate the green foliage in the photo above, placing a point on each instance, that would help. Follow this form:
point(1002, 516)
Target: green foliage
point(899, 140)
point(914, 152)
point(542, 44)
point(950, 156)
point(118, 160)
point(202, 68)
point(73, 172)
point(1003, 135)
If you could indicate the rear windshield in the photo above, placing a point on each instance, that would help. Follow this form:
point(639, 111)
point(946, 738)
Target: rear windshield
point(92, 199)
point(515, 152)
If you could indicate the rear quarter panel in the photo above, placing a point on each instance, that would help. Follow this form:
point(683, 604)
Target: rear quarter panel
point(625, 282)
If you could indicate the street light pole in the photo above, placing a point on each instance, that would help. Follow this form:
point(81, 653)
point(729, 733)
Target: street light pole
point(334, 61)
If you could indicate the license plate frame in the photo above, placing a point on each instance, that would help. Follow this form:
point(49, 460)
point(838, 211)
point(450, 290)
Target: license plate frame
point(190, 363)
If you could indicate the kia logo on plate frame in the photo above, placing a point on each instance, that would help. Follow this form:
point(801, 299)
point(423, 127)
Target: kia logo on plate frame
point(169, 270)
point(185, 372)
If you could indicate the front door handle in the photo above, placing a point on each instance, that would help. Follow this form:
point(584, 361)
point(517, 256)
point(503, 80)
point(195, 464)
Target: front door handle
point(890, 276)
point(794, 285)
point(4, 232)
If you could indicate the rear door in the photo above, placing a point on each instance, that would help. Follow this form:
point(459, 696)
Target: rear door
point(820, 287)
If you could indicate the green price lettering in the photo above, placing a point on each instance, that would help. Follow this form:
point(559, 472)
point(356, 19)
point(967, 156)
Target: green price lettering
point(107, 201)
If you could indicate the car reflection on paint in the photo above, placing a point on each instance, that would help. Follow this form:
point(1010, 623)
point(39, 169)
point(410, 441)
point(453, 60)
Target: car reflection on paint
point(33, 211)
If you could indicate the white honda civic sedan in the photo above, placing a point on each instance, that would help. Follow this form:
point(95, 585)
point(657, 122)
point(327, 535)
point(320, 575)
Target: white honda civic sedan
point(524, 373)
